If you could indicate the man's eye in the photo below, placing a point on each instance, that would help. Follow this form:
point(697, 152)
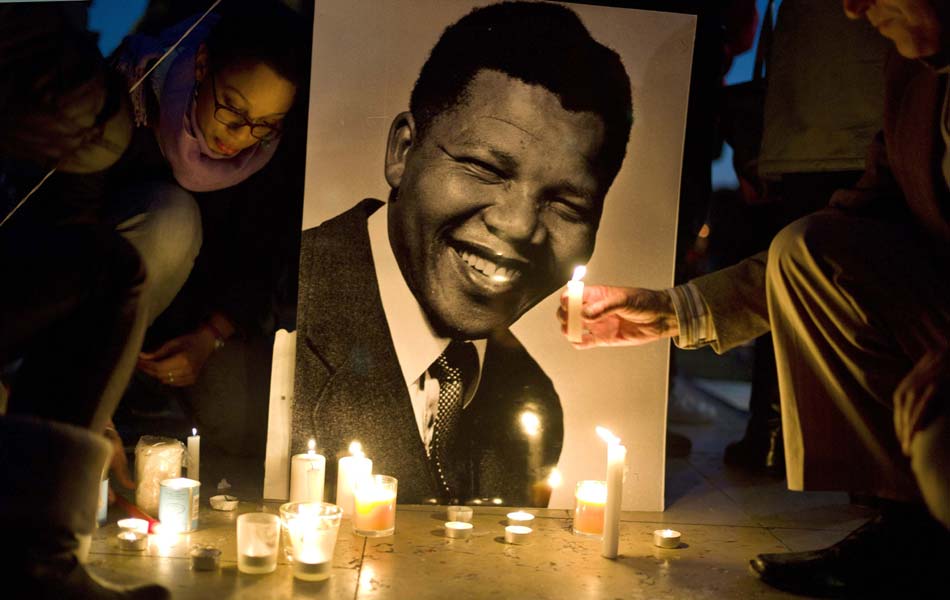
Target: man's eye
point(484, 170)
point(569, 211)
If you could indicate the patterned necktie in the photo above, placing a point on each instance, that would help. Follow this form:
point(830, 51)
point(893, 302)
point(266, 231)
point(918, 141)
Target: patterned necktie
point(455, 369)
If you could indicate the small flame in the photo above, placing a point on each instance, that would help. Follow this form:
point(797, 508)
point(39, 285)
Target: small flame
point(579, 273)
point(356, 449)
point(311, 446)
point(194, 431)
point(606, 435)
point(555, 479)
point(530, 422)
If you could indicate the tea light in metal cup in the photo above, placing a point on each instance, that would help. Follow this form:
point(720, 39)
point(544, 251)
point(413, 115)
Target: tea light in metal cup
point(458, 530)
point(132, 541)
point(134, 525)
point(517, 534)
point(461, 514)
point(666, 538)
point(205, 558)
point(223, 502)
point(520, 518)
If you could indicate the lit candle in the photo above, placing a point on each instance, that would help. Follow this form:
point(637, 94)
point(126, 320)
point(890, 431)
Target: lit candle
point(616, 459)
point(666, 538)
point(575, 302)
point(306, 475)
point(591, 497)
point(520, 518)
point(178, 504)
point(458, 529)
point(517, 534)
point(459, 513)
point(349, 470)
point(194, 455)
point(135, 525)
point(541, 490)
point(132, 541)
point(374, 511)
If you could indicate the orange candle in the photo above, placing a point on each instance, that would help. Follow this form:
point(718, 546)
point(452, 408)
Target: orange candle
point(591, 498)
point(374, 502)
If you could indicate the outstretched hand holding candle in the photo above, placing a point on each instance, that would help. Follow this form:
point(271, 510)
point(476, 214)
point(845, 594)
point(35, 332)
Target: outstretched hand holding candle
point(620, 316)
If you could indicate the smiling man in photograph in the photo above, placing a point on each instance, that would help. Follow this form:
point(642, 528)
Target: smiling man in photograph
point(518, 124)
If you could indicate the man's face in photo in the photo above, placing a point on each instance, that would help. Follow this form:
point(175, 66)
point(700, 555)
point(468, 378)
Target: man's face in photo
point(495, 203)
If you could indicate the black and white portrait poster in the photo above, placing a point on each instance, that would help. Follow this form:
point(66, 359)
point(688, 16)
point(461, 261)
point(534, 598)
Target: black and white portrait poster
point(441, 224)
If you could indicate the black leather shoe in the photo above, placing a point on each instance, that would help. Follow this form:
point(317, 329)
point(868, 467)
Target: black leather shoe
point(890, 556)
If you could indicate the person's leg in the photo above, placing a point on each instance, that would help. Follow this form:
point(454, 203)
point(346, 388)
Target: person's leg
point(853, 304)
point(163, 222)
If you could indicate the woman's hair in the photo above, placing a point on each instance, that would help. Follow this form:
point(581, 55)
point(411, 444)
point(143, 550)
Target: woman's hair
point(264, 31)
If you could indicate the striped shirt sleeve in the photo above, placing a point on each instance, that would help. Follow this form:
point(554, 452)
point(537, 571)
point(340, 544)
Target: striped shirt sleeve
point(692, 316)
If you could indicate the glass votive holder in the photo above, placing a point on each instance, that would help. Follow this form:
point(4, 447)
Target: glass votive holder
point(309, 533)
point(258, 535)
point(590, 498)
point(459, 513)
point(374, 506)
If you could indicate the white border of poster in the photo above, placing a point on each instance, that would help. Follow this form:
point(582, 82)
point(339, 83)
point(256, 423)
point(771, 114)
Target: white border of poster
point(366, 57)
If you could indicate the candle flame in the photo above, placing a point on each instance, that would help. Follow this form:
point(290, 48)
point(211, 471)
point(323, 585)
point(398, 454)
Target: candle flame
point(530, 422)
point(356, 449)
point(579, 272)
point(606, 435)
point(194, 431)
point(311, 445)
point(555, 479)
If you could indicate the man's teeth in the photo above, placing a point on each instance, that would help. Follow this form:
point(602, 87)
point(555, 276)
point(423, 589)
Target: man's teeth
point(488, 268)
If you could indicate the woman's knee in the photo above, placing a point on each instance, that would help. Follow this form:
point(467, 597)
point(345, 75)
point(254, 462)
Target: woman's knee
point(175, 220)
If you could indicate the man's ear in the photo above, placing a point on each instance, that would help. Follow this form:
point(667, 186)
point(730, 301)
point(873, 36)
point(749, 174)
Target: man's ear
point(402, 134)
point(201, 62)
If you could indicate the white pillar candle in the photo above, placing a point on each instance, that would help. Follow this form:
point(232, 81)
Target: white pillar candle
point(575, 302)
point(616, 459)
point(349, 470)
point(306, 475)
point(194, 455)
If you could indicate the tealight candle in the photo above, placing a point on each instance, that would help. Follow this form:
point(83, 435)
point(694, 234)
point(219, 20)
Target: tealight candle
point(458, 529)
point(461, 514)
point(575, 302)
point(666, 538)
point(132, 541)
point(520, 518)
point(590, 497)
point(205, 558)
point(517, 534)
point(351, 469)
point(307, 475)
point(134, 525)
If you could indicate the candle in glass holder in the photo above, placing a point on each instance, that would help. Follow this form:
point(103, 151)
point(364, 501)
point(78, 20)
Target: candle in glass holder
point(374, 511)
point(575, 302)
point(257, 541)
point(590, 497)
point(310, 531)
point(349, 470)
point(307, 475)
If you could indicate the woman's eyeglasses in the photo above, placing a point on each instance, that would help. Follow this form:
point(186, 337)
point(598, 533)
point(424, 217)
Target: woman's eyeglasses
point(234, 119)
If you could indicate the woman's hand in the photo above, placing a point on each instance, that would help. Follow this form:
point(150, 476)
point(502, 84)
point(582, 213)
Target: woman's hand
point(180, 360)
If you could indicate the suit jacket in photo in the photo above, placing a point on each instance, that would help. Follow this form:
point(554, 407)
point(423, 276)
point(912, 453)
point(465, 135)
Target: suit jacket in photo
point(349, 385)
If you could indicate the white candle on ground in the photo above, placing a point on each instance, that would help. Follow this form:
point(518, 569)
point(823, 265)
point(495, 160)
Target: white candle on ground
point(666, 538)
point(575, 302)
point(458, 529)
point(349, 470)
point(306, 475)
point(194, 455)
point(520, 518)
point(517, 534)
point(616, 459)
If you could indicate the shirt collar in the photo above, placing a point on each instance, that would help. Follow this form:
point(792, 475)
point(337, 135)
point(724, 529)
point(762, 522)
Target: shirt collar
point(417, 344)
